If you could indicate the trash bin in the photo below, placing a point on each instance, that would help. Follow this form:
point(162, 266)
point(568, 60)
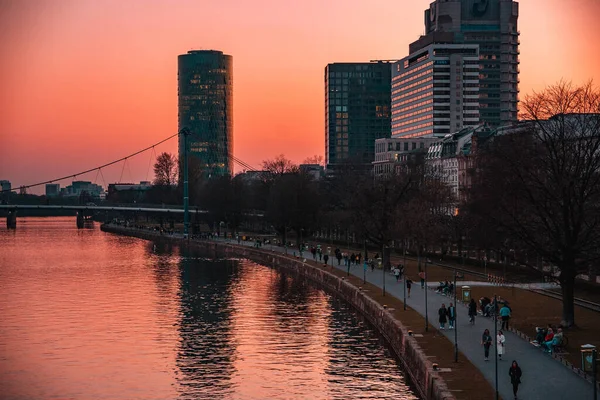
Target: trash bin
point(466, 294)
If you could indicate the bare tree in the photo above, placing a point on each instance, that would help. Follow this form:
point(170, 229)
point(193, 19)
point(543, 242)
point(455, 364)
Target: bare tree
point(165, 170)
point(279, 166)
point(316, 159)
point(542, 186)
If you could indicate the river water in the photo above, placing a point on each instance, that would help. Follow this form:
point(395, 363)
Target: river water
point(90, 315)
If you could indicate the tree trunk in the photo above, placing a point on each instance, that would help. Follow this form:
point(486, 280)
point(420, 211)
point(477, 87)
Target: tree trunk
point(568, 296)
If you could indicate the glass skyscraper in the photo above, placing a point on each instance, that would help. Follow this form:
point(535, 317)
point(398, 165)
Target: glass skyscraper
point(357, 111)
point(205, 108)
point(491, 24)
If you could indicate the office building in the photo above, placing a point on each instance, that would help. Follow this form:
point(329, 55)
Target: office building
point(5, 186)
point(435, 91)
point(391, 153)
point(357, 111)
point(79, 188)
point(491, 24)
point(52, 189)
point(205, 108)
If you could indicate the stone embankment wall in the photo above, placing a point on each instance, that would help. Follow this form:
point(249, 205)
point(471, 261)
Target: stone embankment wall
point(428, 383)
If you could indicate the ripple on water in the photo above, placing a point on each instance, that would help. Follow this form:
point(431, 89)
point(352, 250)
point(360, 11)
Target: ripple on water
point(88, 315)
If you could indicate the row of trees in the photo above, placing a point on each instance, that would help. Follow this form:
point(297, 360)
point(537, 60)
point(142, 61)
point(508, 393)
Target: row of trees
point(534, 194)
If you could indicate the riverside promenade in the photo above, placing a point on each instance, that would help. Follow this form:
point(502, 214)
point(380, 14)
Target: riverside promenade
point(543, 377)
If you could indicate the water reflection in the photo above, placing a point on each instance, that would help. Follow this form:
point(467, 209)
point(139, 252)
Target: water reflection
point(85, 314)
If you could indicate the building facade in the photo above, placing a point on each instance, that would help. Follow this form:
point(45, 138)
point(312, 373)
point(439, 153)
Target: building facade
point(52, 189)
point(78, 188)
point(392, 152)
point(491, 24)
point(205, 109)
point(435, 91)
point(357, 111)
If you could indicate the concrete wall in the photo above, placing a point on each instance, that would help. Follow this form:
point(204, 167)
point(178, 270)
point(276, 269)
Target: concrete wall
point(428, 383)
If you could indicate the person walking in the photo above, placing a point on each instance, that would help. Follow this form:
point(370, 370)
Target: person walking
point(505, 315)
point(486, 341)
point(443, 314)
point(500, 340)
point(472, 311)
point(325, 258)
point(451, 316)
point(515, 377)
point(408, 286)
point(397, 274)
point(422, 276)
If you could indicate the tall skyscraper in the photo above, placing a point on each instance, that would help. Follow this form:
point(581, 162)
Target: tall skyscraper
point(435, 90)
point(205, 108)
point(492, 24)
point(357, 110)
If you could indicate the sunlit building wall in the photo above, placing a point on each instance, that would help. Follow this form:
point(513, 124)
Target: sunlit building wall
point(435, 91)
point(357, 111)
point(205, 108)
point(491, 24)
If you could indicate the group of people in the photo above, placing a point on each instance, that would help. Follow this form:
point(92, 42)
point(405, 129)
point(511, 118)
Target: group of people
point(447, 315)
point(549, 338)
point(445, 287)
point(514, 371)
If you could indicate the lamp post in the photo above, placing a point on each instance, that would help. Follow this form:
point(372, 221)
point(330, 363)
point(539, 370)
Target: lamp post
point(383, 266)
point(496, 346)
point(455, 324)
point(404, 270)
point(426, 305)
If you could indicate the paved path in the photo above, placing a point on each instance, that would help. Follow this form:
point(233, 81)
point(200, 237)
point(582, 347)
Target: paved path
point(543, 377)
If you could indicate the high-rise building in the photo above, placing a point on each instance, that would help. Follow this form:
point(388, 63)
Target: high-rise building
point(205, 108)
point(52, 189)
point(357, 111)
point(435, 91)
point(492, 24)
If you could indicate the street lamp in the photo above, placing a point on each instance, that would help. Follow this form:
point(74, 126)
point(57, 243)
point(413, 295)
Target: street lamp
point(383, 266)
point(455, 320)
point(426, 305)
point(496, 346)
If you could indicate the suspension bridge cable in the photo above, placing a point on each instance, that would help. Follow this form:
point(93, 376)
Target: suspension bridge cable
point(91, 169)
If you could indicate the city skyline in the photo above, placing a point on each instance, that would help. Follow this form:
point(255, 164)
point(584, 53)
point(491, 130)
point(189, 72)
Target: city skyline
point(86, 83)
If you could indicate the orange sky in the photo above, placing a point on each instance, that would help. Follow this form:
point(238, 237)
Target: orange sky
point(86, 82)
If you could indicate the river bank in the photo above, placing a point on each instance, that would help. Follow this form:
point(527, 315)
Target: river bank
point(418, 352)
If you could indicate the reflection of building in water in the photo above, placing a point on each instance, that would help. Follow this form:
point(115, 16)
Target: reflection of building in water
point(206, 353)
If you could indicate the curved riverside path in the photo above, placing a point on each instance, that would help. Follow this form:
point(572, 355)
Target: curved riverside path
point(543, 377)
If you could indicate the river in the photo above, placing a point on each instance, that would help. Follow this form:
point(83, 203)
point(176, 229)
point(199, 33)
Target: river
point(90, 315)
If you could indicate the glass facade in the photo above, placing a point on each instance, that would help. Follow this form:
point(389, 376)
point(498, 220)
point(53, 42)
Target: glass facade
point(205, 108)
point(357, 110)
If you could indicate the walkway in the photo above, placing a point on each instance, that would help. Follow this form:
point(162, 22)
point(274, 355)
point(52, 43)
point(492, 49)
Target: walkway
point(543, 377)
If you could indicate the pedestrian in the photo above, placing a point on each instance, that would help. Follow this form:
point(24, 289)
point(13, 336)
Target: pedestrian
point(372, 265)
point(472, 311)
point(401, 268)
point(338, 255)
point(397, 274)
point(358, 258)
point(500, 340)
point(515, 377)
point(451, 316)
point(352, 258)
point(408, 286)
point(443, 314)
point(505, 315)
point(422, 276)
point(325, 258)
point(346, 262)
point(320, 252)
point(486, 341)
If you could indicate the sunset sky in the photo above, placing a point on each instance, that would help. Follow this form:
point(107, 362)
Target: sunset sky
point(86, 82)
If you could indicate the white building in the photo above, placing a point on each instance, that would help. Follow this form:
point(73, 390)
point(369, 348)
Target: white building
point(435, 90)
point(389, 152)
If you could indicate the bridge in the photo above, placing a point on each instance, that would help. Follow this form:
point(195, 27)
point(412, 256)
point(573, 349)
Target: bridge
point(85, 212)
